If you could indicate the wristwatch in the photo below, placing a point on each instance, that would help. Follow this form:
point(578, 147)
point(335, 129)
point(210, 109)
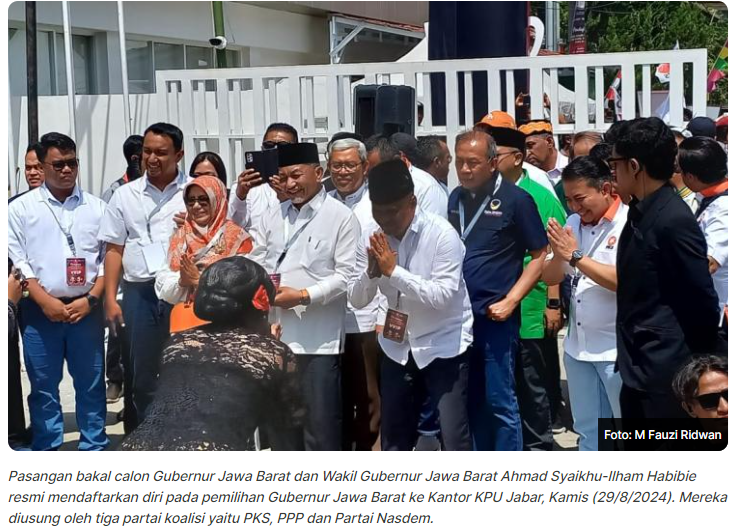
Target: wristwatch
point(553, 303)
point(576, 255)
point(93, 300)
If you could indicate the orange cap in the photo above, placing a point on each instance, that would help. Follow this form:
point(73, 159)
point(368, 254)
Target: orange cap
point(498, 118)
point(536, 127)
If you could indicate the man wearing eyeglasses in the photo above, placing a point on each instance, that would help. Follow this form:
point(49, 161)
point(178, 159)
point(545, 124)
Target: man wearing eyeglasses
point(660, 324)
point(360, 362)
point(52, 239)
point(249, 200)
point(499, 224)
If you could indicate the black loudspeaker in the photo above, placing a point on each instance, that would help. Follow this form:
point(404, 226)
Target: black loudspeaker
point(384, 109)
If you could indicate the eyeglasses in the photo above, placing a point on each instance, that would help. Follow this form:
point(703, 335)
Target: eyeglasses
point(711, 401)
point(191, 201)
point(269, 144)
point(342, 167)
point(59, 165)
point(612, 162)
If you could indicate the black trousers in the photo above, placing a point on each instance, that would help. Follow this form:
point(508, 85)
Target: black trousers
point(637, 404)
point(321, 388)
point(361, 392)
point(113, 357)
point(17, 432)
point(531, 376)
point(549, 346)
point(447, 383)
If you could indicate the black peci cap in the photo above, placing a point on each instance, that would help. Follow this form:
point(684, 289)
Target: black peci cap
point(389, 181)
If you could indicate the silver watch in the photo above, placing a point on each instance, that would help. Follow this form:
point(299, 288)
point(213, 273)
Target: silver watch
point(576, 255)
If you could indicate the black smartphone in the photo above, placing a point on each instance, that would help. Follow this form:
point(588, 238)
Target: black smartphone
point(264, 162)
point(526, 101)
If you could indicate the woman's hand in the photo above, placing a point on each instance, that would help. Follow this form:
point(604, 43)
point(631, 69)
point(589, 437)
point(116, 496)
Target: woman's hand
point(189, 273)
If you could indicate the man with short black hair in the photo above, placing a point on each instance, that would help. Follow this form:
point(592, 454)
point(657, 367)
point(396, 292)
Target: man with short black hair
point(435, 159)
point(137, 227)
point(33, 169)
point(702, 387)
point(248, 199)
point(703, 164)
point(431, 197)
point(132, 149)
point(683, 191)
point(661, 248)
point(415, 259)
point(586, 249)
point(52, 239)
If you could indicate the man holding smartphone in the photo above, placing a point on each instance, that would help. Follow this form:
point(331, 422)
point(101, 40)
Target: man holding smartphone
point(249, 199)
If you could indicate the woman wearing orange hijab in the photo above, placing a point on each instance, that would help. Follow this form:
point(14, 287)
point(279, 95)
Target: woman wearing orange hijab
point(205, 237)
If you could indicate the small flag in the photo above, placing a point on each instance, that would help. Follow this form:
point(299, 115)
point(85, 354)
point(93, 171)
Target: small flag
point(720, 68)
point(663, 71)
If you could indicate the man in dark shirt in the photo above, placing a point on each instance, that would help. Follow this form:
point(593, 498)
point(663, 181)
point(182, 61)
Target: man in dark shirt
point(498, 223)
point(667, 309)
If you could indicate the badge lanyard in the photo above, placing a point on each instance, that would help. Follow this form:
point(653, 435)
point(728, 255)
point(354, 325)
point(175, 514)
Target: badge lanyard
point(292, 241)
point(465, 231)
point(67, 233)
point(155, 210)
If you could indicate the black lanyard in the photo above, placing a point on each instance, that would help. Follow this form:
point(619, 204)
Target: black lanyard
point(291, 242)
point(67, 233)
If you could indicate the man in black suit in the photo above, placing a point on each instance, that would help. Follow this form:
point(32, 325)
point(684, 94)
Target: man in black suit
point(667, 309)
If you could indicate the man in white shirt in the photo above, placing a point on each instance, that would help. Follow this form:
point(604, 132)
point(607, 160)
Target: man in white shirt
point(431, 197)
point(415, 259)
point(309, 240)
point(435, 159)
point(137, 227)
point(361, 360)
point(586, 249)
point(249, 199)
point(541, 148)
point(52, 239)
point(703, 163)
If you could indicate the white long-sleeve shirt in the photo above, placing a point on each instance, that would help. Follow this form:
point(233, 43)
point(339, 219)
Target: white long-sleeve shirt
point(38, 246)
point(320, 260)
point(258, 202)
point(428, 192)
point(365, 319)
point(430, 280)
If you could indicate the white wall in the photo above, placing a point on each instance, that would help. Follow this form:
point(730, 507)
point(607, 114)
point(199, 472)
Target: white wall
point(100, 133)
point(281, 38)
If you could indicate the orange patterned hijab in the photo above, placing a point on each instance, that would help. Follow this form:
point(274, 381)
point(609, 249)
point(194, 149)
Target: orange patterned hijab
point(221, 239)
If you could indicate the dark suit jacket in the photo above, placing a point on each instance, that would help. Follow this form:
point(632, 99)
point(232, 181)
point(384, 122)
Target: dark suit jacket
point(667, 308)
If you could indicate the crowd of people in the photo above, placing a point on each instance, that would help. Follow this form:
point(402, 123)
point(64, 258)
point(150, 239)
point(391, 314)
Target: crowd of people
point(365, 305)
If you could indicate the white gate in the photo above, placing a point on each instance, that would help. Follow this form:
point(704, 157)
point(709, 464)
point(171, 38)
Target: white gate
point(227, 110)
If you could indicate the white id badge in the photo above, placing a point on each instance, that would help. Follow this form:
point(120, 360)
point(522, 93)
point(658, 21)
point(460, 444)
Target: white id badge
point(155, 257)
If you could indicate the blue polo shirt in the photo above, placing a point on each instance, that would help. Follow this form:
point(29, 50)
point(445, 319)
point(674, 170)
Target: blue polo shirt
point(508, 228)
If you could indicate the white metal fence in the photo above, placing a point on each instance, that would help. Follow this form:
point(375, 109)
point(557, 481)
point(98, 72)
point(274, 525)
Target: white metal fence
point(227, 110)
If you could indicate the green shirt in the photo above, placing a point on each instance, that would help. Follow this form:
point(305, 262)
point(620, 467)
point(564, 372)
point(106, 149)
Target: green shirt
point(532, 308)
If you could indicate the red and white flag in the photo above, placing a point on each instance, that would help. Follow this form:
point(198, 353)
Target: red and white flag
point(662, 72)
point(614, 94)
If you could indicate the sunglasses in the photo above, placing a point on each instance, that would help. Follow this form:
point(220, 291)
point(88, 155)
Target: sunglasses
point(191, 201)
point(269, 144)
point(711, 401)
point(59, 165)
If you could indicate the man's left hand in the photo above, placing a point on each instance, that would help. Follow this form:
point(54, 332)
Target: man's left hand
point(287, 297)
point(78, 309)
point(553, 321)
point(385, 256)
